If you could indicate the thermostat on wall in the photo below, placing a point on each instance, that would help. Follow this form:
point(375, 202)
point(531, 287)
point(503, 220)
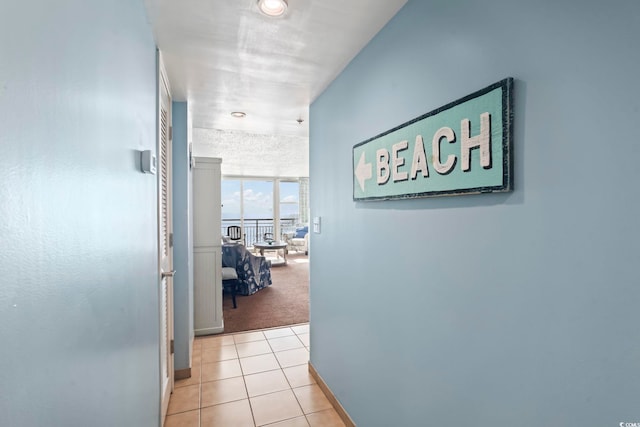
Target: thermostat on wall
point(148, 162)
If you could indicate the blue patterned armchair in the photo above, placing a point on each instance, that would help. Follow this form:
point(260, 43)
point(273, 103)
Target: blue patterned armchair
point(254, 272)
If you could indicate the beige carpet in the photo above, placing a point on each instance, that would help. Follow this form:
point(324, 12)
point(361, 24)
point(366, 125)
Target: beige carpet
point(285, 302)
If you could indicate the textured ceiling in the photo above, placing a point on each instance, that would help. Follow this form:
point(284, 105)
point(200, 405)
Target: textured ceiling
point(223, 56)
point(245, 154)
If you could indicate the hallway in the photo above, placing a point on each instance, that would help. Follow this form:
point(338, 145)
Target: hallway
point(257, 378)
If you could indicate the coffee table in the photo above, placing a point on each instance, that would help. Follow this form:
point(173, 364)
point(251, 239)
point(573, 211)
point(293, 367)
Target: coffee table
point(273, 246)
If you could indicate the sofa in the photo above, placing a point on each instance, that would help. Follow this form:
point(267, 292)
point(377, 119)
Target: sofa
point(298, 240)
point(254, 272)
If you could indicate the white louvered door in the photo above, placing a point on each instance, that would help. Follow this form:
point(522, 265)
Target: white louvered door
point(165, 247)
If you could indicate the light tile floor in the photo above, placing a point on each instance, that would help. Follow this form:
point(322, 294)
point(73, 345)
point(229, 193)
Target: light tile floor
point(251, 379)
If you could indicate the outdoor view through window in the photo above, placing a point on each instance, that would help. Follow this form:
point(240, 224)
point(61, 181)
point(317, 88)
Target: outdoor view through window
point(250, 204)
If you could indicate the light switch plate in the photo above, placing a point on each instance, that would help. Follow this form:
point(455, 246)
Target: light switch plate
point(316, 225)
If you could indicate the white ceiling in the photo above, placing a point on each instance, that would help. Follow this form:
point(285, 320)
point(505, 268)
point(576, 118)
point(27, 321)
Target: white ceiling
point(224, 55)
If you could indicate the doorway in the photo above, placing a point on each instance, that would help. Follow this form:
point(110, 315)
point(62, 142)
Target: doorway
point(277, 206)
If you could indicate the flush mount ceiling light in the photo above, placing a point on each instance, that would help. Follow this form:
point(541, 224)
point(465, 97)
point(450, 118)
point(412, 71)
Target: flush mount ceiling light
point(273, 7)
point(238, 114)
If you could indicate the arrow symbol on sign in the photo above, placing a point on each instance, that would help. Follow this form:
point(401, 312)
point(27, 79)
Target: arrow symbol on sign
point(363, 172)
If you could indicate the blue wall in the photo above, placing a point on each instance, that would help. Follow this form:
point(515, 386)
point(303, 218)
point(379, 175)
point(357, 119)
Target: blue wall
point(488, 310)
point(182, 238)
point(78, 220)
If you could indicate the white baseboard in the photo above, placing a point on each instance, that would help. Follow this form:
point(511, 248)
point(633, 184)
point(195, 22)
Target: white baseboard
point(209, 331)
point(346, 419)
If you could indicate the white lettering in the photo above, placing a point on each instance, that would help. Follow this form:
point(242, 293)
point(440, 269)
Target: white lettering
point(448, 134)
point(419, 162)
point(399, 161)
point(482, 141)
point(382, 164)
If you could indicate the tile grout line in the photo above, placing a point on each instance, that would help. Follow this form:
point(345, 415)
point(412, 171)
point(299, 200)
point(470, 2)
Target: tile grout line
point(200, 403)
point(281, 369)
point(246, 389)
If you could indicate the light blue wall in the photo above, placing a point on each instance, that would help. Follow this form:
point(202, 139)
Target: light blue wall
point(78, 220)
point(182, 239)
point(518, 309)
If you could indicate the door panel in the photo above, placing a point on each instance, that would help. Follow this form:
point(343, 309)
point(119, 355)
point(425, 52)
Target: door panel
point(165, 249)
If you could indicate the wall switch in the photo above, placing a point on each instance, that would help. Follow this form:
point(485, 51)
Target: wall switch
point(316, 225)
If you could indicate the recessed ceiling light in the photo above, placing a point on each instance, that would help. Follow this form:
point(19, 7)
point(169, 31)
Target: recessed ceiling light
point(239, 114)
point(273, 7)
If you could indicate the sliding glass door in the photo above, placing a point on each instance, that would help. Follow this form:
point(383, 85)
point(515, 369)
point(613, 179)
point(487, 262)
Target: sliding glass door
point(257, 215)
point(289, 206)
point(262, 206)
point(231, 192)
